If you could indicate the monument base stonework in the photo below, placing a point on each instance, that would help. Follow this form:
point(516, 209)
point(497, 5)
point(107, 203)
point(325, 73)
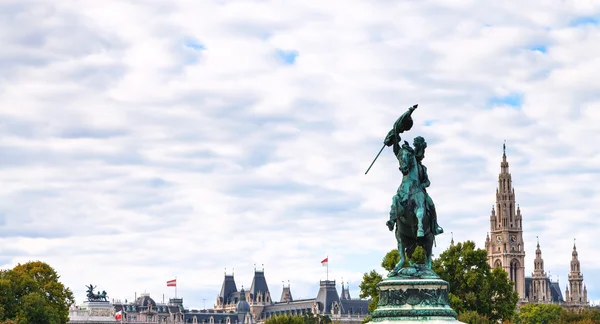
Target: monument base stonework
point(416, 294)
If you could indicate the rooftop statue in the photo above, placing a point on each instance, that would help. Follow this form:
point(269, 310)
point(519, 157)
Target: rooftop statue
point(100, 296)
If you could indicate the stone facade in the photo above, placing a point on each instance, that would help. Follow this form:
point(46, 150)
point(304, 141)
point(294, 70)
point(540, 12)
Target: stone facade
point(576, 296)
point(327, 302)
point(504, 243)
point(232, 306)
point(505, 248)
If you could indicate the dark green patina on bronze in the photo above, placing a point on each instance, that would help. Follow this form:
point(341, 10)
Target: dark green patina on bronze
point(416, 271)
point(409, 298)
point(415, 292)
point(413, 315)
point(414, 297)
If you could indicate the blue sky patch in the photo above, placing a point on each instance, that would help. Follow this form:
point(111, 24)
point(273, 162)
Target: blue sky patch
point(194, 44)
point(585, 21)
point(540, 48)
point(514, 100)
point(289, 57)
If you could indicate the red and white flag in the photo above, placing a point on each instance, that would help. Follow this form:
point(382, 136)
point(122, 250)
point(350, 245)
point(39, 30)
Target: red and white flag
point(325, 261)
point(172, 283)
point(119, 315)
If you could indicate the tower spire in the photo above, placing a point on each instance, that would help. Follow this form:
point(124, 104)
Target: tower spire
point(578, 295)
point(506, 246)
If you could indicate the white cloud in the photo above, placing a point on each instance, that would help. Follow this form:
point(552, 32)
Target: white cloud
point(131, 155)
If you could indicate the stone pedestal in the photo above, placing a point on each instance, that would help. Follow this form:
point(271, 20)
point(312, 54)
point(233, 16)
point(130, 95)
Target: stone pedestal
point(416, 295)
point(93, 311)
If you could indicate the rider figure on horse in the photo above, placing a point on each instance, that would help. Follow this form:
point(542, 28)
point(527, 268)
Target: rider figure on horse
point(393, 139)
point(420, 145)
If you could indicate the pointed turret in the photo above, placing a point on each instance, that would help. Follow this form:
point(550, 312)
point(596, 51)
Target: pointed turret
point(327, 296)
point(505, 247)
point(493, 219)
point(538, 263)
point(227, 289)
point(286, 294)
point(540, 289)
point(259, 288)
point(578, 296)
point(345, 292)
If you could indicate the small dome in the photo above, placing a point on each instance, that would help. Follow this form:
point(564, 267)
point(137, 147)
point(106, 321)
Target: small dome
point(146, 301)
point(242, 305)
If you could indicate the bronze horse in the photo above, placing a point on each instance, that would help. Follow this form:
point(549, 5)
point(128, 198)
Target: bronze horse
point(409, 213)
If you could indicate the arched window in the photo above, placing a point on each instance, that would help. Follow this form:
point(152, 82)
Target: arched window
point(514, 267)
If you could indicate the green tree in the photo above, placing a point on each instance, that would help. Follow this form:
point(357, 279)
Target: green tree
point(539, 314)
point(393, 257)
point(584, 316)
point(472, 317)
point(368, 288)
point(285, 319)
point(308, 318)
point(31, 293)
point(473, 285)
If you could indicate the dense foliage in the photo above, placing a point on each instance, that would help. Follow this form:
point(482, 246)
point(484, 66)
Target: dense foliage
point(31, 293)
point(550, 314)
point(473, 285)
point(472, 317)
point(308, 318)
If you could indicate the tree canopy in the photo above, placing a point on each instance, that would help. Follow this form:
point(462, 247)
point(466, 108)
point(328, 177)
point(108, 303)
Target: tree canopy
point(550, 314)
point(474, 286)
point(308, 318)
point(31, 293)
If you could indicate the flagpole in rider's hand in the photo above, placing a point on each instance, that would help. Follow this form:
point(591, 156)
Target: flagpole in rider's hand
point(402, 124)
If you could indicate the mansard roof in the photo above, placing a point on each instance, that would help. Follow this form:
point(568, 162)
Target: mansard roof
point(555, 293)
point(355, 306)
point(259, 283)
point(327, 295)
point(227, 288)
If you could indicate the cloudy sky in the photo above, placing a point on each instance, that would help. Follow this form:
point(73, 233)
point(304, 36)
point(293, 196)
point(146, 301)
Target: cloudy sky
point(146, 140)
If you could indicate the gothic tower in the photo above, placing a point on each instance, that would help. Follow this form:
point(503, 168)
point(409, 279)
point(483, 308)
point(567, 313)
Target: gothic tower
point(539, 291)
point(576, 292)
point(504, 243)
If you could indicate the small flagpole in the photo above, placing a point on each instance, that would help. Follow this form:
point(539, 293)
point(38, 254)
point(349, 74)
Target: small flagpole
point(175, 286)
point(328, 268)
